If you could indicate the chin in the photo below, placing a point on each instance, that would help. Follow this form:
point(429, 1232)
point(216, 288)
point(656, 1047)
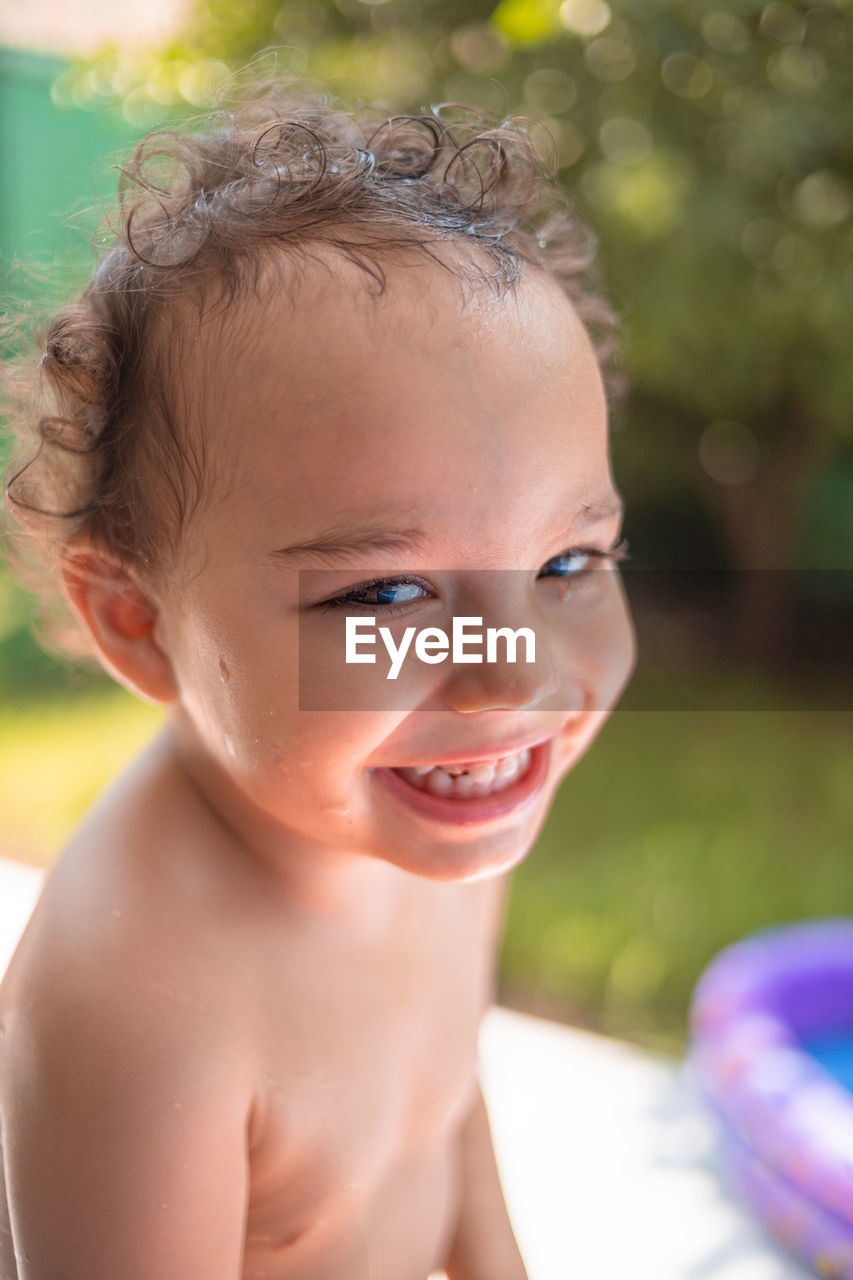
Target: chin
point(465, 861)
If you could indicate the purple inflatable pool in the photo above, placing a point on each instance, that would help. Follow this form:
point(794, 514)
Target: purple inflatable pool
point(771, 1026)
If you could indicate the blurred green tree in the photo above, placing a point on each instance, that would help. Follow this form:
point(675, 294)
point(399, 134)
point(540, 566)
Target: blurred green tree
point(709, 146)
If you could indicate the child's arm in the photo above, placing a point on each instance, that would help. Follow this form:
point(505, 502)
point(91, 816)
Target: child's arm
point(484, 1247)
point(125, 1129)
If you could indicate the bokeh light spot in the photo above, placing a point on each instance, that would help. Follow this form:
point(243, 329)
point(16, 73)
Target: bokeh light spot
point(796, 71)
point(823, 199)
point(625, 141)
point(610, 59)
point(647, 197)
point(527, 22)
point(197, 82)
point(725, 33)
point(686, 76)
point(550, 91)
point(729, 452)
point(479, 48)
point(585, 17)
point(781, 22)
point(571, 144)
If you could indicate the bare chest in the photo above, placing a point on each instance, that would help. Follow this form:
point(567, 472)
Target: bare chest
point(369, 1066)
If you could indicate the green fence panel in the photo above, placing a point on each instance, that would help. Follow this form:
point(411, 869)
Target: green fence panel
point(54, 167)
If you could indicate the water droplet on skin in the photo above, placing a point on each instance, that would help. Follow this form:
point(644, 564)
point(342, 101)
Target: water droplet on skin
point(223, 670)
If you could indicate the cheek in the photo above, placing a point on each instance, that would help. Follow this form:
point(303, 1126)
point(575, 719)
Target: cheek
point(236, 667)
point(596, 641)
point(239, 673)
point(371, 681)
point(304, 765)
point(264, 737)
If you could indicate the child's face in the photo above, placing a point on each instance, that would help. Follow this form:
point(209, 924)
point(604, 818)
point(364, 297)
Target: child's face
point(484, 427)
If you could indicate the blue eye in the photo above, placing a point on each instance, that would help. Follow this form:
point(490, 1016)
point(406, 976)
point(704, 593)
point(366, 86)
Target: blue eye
point(566, 565)
point(574, 563)
point(390, 592)
point(396, 592)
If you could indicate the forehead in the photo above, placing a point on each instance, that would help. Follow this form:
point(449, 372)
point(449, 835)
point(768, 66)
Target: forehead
point(321, 398)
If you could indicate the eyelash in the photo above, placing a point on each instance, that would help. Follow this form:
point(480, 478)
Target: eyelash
point(615, 553)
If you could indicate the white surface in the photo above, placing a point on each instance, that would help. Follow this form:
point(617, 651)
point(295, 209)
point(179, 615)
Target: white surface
point(606, 1156)
point(607, 1162)
point(19, 888)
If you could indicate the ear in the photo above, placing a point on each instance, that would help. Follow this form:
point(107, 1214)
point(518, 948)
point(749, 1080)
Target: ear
point(121, 617)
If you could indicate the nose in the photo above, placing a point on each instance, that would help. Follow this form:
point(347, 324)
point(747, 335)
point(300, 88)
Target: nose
point(490, 693)
point(500, 684)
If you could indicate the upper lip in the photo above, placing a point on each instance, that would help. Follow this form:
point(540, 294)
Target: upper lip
point(477, 755)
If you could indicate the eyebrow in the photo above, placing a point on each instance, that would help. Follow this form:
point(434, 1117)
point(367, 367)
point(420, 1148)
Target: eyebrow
point(343, 540)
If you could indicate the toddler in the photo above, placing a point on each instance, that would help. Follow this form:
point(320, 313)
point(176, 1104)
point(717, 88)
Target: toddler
point(333, 367)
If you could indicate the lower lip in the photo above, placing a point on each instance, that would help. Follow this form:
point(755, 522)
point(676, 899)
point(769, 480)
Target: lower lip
point(478, 808)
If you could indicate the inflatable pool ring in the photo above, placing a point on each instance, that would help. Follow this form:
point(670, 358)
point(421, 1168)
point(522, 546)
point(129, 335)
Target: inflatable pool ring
point(771, 1048)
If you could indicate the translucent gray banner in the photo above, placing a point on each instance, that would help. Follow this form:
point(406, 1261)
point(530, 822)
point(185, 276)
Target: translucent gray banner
point(575, 638)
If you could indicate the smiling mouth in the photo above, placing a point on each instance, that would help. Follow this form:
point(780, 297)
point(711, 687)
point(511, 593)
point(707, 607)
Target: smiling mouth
point(467, 796)
point(466, 782)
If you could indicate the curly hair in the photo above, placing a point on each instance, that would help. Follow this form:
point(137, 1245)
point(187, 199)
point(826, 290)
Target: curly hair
point(97, 415)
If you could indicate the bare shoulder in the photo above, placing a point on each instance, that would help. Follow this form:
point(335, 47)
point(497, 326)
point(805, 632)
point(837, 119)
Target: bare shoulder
point(126, 1059)
point(138, 924)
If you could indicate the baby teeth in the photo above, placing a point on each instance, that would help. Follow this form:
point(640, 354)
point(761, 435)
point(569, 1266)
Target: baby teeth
point(482, 772)
point(478, 780)
point(439, 782)
point(506, 769)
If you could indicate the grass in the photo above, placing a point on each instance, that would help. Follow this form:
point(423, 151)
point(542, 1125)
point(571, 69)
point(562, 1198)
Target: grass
point(678, 833)
point(55, 757)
